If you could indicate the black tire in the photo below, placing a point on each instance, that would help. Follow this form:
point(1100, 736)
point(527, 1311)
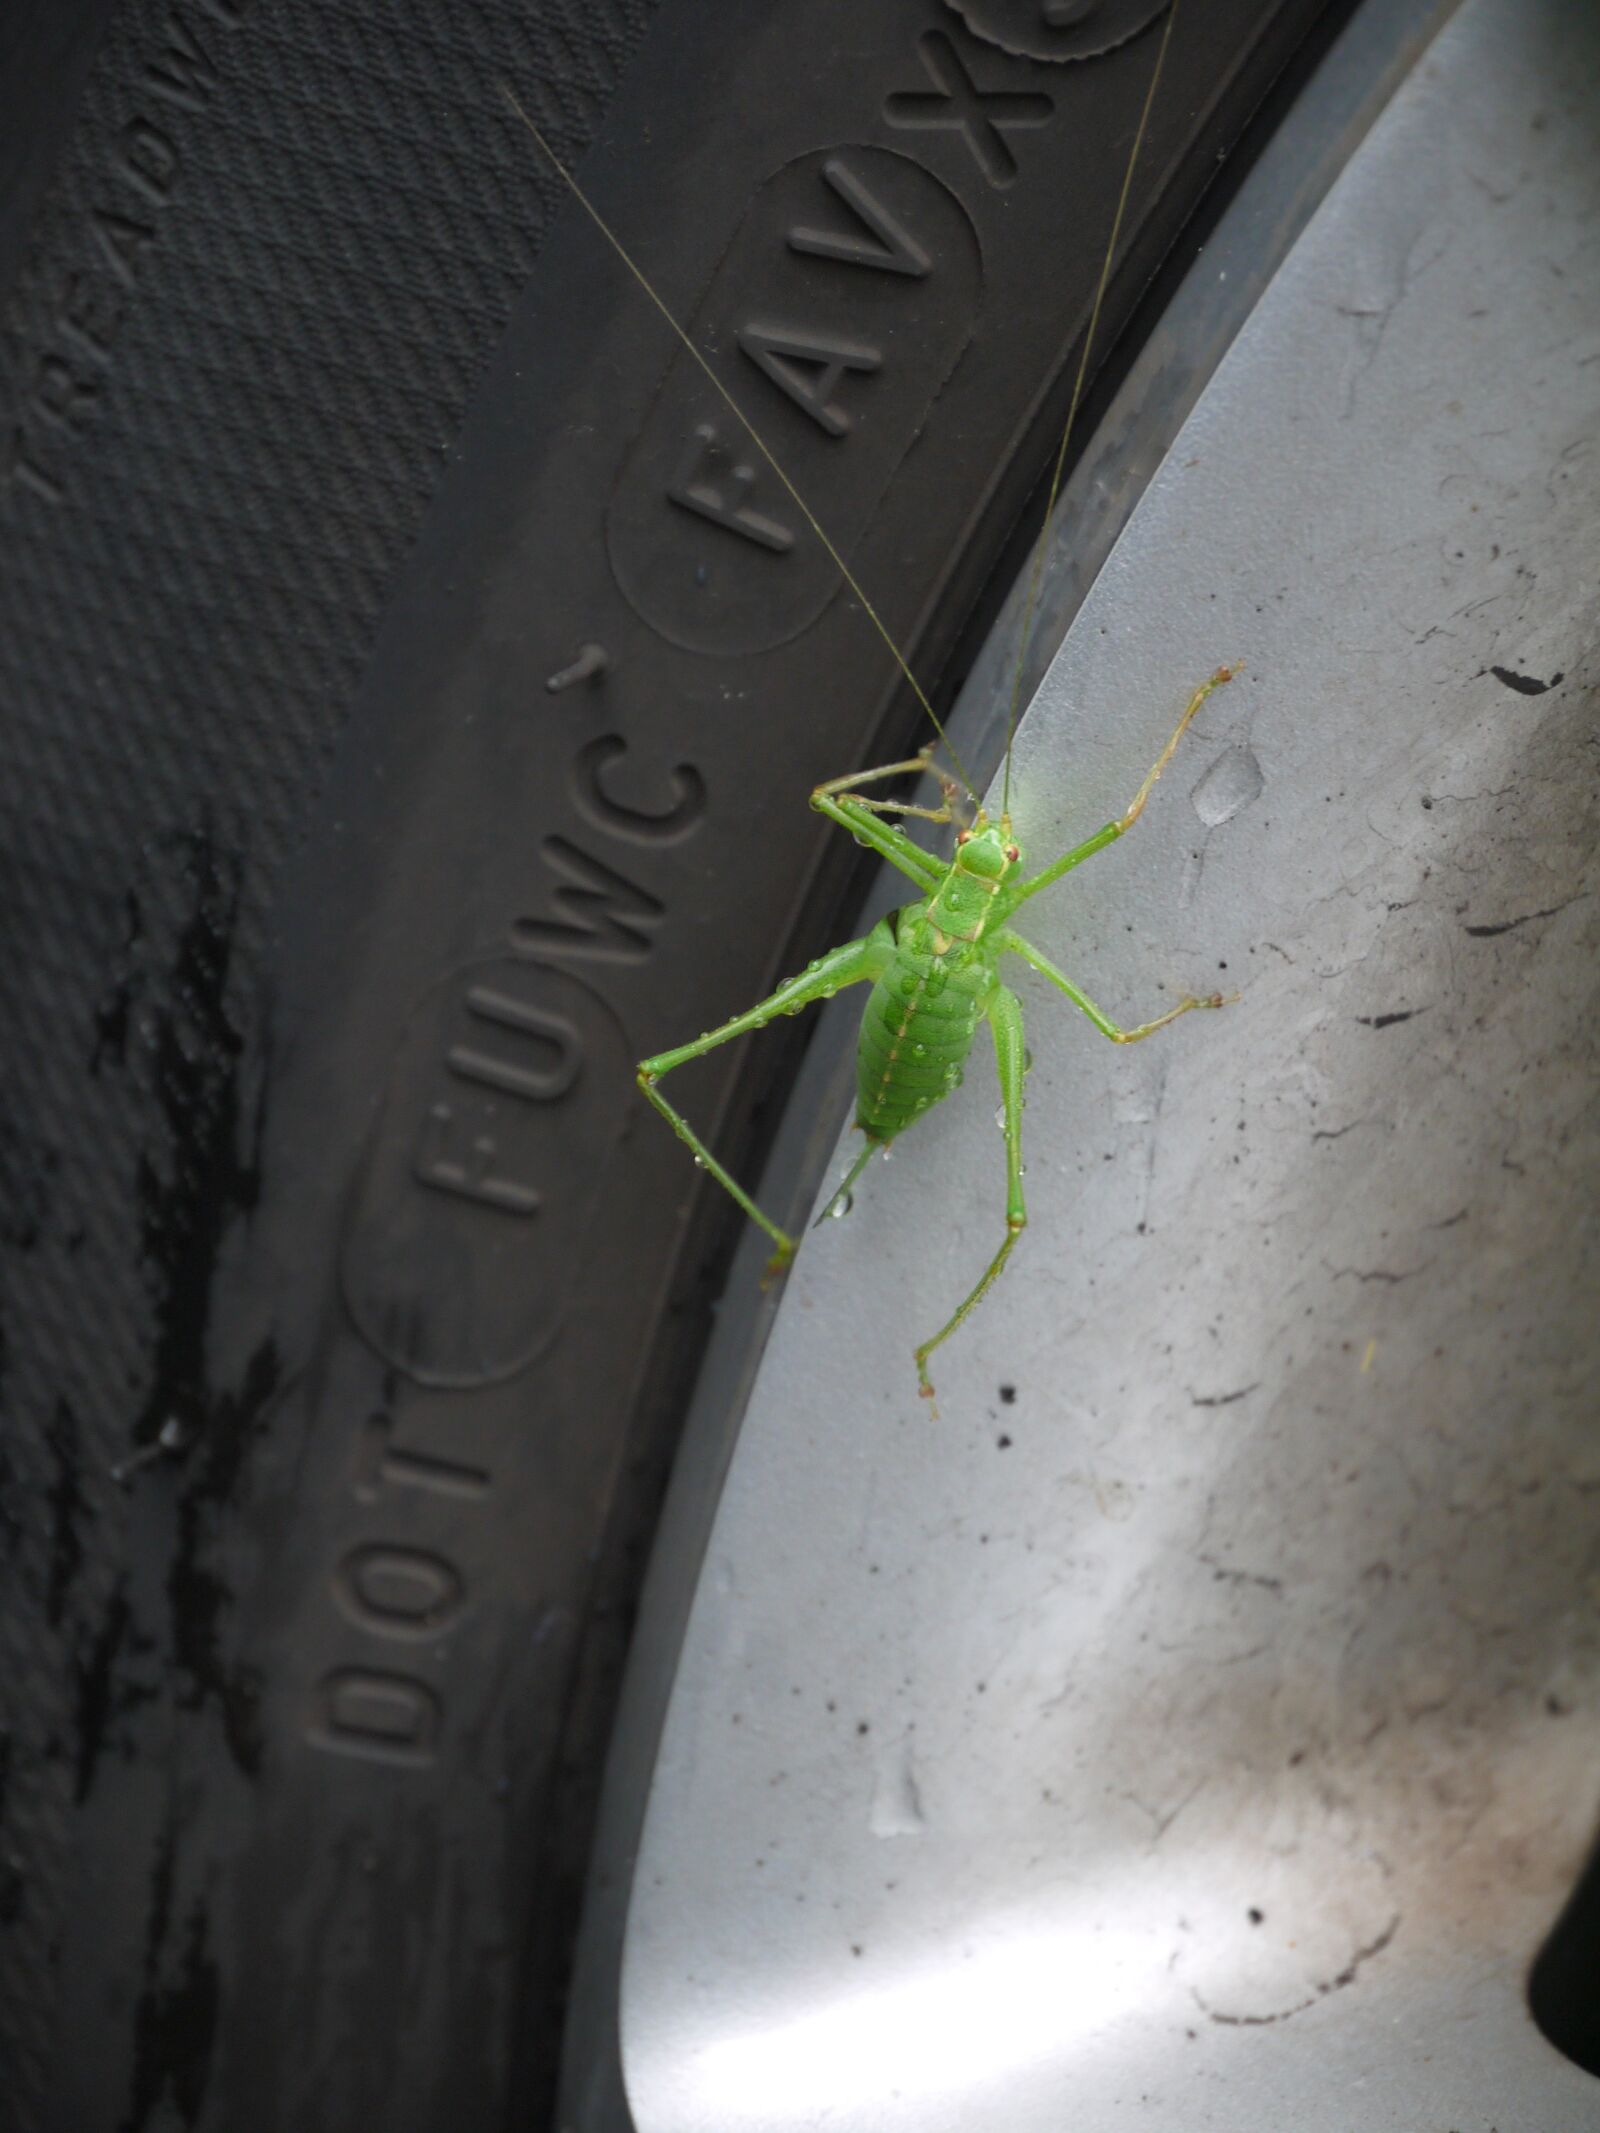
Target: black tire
point(349, 1304)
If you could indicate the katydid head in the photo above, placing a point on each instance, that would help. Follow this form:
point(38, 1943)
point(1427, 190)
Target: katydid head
point(970, 900)
point(987, 850)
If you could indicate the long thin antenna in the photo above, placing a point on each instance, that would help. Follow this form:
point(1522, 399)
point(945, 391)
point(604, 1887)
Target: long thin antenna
point(1036, 574)
point(750, 429)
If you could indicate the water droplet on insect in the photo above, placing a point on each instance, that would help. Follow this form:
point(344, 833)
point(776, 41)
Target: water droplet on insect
point(840, 1208)
point(828, 991)
point(1027, 1060)
point(886, 1154)
point(699, 1162)
point(1000, 1118)
point(918, 1050)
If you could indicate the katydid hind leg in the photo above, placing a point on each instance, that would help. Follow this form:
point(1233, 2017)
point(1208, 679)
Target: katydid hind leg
point(1004, 1011)
point(854, 963)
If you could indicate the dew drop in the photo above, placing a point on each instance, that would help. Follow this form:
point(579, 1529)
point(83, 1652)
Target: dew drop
point(918, 1050)
point(1000, 1118)
point(699, 1162)
point(840, 1208)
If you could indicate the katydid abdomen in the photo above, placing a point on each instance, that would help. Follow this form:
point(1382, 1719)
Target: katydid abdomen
point(918, 1026)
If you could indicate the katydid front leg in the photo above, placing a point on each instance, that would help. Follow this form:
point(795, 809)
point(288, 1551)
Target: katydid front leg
point(855, 963)
point(1135, 808)
point(863, 818)
point(885, 838)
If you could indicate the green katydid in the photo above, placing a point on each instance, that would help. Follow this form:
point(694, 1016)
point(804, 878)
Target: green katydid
point(933, 965)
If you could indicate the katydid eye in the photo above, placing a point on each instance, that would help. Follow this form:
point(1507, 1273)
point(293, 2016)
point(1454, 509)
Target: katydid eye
point(1013, 854)
point(963, 836)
